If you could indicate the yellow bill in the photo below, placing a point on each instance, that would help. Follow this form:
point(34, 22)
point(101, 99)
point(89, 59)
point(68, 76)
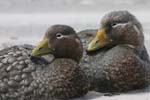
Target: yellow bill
point(100, 40)
point(42, 48)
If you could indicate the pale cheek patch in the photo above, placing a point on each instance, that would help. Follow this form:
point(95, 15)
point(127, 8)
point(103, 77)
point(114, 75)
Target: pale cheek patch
point(62, 37)
point(77, 40)
point(120, 24)
point(129, 45)
point(136, 29)
point(59, 37)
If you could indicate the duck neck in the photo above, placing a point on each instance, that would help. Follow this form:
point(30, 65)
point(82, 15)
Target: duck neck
point(74, 56)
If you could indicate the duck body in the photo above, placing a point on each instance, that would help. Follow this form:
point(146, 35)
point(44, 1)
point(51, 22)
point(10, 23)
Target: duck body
point(23, 77)
point(115, 69)
point(121, 70)
point(16, 73)
point(117, 58)
point(90, 63)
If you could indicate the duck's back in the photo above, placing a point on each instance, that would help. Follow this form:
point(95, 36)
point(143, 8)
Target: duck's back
point(26, 78)
point(120, 69)
point(16, 69)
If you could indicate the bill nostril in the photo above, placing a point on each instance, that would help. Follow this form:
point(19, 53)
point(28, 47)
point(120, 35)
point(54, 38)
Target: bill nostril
point(96, 42)
point(40, 48)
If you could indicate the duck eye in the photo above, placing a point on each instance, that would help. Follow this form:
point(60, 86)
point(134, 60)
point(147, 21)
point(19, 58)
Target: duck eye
point(113, 24)
point(59, 35)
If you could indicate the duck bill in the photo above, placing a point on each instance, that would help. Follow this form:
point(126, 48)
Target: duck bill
point(42, 49)
point(100, 40)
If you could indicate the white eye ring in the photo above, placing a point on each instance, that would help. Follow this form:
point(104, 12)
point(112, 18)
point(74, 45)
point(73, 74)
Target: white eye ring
point(59, 35)
point(113, 24)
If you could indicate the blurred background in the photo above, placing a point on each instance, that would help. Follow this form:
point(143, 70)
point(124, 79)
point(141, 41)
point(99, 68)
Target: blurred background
point(47, 6)
point(25, 21)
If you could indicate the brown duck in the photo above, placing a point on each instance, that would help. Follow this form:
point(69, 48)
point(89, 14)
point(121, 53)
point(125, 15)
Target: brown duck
point(118, 59)
point(34, 78)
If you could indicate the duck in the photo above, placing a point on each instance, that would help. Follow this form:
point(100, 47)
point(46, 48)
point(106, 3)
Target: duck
point(116, 57)
point(25, 74)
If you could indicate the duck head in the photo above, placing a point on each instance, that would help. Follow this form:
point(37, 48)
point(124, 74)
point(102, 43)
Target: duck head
point(61, 41)
point(118, 27)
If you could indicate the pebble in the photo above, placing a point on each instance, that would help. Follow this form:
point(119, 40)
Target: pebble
point(21, 62)
point(15, 63)
point(27, 70)
point(18, 52)
point(11, 60)
point(10, 53)
point(5, 61)
point(14, 72)
point(1, 64)
point(25, 90)
point(20, 58)
point(27, 61)
point(34, 84)
point(25, 82)
point(15, 54)
point(3, 87)
point(32, 67)
point(86, 60)
point(16, 94)
point(13, 83)
point(20, 48)
point(11, 90)
point(24, 76)
point(17, 78)
point(5, 80)
point(24, 54)
point(20, 67)
point(28, 52)
point(1, 57)
point(6, 55)
point(9, 68)
point(30, 89)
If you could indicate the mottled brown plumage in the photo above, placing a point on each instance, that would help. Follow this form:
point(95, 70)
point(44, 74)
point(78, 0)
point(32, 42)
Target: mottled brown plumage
point(122, 62)
point(68, 45)
point(23, 77)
